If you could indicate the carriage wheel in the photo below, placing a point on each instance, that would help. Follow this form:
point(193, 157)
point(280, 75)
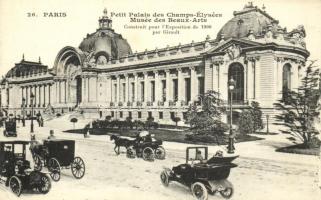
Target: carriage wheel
point(164, 178)
point(78, 168)
point(130, 152)
point(15, 185)
point(160, 153)
point(199, 191)
point(45, 184)
point(148, 154)
point(38, 163)
point(227, 193)
point(54, 169)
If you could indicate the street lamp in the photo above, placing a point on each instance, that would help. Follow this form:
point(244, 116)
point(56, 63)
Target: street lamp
point(23, 111)
point(231, 87)
point(31, 101)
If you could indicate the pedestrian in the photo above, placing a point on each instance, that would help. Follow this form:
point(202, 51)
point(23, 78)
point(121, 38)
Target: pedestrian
point(51, 136)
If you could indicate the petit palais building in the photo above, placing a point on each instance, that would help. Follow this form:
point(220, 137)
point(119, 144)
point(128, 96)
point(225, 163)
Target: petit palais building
point(103, 77)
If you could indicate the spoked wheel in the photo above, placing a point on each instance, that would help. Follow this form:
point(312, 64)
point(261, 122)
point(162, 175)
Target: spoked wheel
point(164, 178)
point(227, 193)
point(199, 191)
point(54, 169)
point(160, 153)
point(78, 168)
point(38, 163)
point(130, 152)
point(15, 185)
point(148, 154)
point(45, 184)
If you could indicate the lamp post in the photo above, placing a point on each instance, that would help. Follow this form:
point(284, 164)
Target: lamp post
point(23, 111)
point(31, 101)
point(267, 123)
point(230, 147)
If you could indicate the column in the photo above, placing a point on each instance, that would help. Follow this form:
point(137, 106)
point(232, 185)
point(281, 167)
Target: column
point(27, 95)
point(118, 88)
point(40, 96)
point(88, 89)
point(136, 87)
point(49, 93)
point(63, 91)
point(108, 89)
point(181, 86)
point(36, 97)
point(59, 91)
point(157, 91)
point(168, 80)
point(126, 89)
point(193, 84)
point(146, 97)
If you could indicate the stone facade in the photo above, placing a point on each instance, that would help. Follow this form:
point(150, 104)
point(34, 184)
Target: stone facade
point(103, 77)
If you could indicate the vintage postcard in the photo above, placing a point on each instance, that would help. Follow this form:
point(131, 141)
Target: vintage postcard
point(166, 100)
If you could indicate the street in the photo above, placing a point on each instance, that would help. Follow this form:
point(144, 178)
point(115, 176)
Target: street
point(109, 176)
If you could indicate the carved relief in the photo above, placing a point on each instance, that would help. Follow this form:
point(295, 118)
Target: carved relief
point(233, 52)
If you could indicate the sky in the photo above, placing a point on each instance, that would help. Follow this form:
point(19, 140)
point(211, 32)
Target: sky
point(21, 33)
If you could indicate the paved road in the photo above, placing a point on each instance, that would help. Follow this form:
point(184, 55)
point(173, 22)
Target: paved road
point(115, 177)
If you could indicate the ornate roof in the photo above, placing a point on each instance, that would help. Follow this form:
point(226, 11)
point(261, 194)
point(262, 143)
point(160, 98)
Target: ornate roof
point(250, 19)
point(26, 67)
point(105, 41)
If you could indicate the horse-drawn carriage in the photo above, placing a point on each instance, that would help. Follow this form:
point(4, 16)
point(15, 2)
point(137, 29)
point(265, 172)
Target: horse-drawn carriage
point(201, 174)
point(14, 169)
point(10, 128)
point(56, 155)
point(144, 145)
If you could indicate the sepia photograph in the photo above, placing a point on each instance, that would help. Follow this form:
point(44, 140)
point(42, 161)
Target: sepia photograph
point(164, 100)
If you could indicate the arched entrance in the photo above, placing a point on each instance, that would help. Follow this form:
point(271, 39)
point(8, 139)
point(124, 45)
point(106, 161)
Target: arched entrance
point(236, 71)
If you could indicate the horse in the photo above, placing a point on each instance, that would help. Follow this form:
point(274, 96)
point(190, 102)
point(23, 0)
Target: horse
point(120, 142)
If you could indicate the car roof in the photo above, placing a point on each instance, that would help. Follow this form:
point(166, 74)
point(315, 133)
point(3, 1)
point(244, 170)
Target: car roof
point(15, 142)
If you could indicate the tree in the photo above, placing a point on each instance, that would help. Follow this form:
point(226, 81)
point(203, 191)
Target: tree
point(250, 119)
point(74, 120)
point(298, 108)
point(256, 113)
point(176, 120)
point(206, 118)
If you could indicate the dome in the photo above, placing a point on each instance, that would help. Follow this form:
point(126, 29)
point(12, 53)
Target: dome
point(105, 41)
point(249, 19)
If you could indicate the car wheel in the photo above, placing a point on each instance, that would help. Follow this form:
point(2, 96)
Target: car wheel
point(199, 191)
point(164, 178)
point(227, 193)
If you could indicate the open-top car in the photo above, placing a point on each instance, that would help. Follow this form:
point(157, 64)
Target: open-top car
point(14, 169)
point(204, 176)
point(58, 154)
point(10, 128)
point(147, 147)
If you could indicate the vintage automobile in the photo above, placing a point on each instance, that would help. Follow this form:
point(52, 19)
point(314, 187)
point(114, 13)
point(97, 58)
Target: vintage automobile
point(10, 128)
point(201, 174)
point(57, 154)
point(14, 169)
point(147, 147)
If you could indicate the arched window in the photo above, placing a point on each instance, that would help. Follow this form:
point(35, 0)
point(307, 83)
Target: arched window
point(236, 71)
point(286, 81)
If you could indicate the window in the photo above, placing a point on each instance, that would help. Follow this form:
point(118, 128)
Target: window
point(164, 90)
point(130, 114)
point(286, 81)
point(121, 114)
point(112, 113)
point(175, 89)
point(160, 115)
point(139, 113)
point(187, 89)
point(142, 89)
point(172, 115)
point(184, 116)
point(152, 90)
point(201, 88)
point(236, 71)
point(150, 115)
point(133, 91)
point(123, 92)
